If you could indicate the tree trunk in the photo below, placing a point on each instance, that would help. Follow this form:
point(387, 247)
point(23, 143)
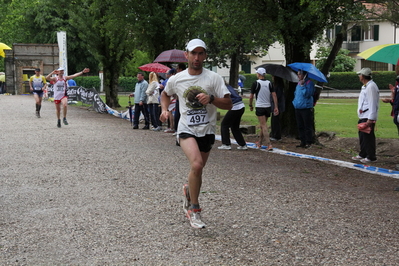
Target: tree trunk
point(234, 66)
point(111, 81)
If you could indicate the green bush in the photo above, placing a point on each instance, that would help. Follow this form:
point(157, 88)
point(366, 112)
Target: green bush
point(88, 82)
point(343, 80)
point(126, 84)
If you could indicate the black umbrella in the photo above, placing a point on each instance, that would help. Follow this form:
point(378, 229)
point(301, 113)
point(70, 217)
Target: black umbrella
point(280, 71)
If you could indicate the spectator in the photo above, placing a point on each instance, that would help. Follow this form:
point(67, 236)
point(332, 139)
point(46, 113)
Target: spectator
point(71, 83)
point(172, 105)
point(303, 104)
point(152, 100)
point(140, 102)
point(394, 101)
point(232, 121)
point(367, 112)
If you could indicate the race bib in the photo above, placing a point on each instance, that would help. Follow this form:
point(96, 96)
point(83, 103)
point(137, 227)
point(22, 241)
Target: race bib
point(197, 117)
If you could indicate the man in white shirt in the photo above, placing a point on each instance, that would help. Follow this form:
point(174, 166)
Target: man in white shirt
point(200, 92)
point(367, 112)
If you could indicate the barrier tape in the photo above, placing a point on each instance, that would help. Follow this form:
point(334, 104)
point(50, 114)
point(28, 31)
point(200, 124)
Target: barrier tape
point(356, 166)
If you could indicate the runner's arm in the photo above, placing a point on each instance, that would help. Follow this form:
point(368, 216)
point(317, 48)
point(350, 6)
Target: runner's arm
point(165, 101)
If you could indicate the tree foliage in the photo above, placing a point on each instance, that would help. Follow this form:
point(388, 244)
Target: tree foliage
point(342, 62)
point(384, 10)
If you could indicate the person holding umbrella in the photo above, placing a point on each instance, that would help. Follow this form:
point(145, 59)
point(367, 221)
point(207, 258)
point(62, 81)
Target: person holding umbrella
point(303, 104)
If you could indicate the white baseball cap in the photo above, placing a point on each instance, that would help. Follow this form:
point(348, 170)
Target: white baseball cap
point(261, 71)
point(365, 72)
point(195, 43)
point(61, 68)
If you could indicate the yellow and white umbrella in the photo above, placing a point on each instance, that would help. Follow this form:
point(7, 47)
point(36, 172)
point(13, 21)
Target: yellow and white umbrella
point(3, 47)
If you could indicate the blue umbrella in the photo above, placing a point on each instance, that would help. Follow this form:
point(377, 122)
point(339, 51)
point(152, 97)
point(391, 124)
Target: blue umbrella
point(313, 72)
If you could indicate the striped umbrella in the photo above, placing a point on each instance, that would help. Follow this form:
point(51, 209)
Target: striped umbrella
point(385, 53)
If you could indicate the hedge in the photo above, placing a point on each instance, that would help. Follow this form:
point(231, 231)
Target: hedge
point(336, 80)
point(343, 80)
point(126, 84)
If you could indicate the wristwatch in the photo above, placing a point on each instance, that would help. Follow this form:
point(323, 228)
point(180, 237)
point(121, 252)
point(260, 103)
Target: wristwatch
point(211, 98)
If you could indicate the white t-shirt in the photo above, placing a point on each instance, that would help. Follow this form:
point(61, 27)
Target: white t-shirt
point(196, 119)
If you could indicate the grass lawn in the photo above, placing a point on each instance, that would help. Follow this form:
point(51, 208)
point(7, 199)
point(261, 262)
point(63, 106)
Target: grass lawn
point(337, 115)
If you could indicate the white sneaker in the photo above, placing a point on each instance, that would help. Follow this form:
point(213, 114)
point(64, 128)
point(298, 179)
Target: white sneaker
point(224, 147)
point(244, 148)
point(366, 160)
point(194, 216)
point(357, 158)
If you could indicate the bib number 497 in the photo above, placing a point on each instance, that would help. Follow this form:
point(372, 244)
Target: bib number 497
point(197, 117)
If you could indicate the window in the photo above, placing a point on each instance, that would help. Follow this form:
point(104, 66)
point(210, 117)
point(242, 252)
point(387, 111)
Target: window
point(374, 66)
point(356, 34)
point(371, 33)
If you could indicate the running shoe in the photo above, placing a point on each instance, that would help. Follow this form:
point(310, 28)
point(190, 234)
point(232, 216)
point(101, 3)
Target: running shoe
point(186, 198)
point(37, 114)
point(224, 147)
point(59, 123)
point(169, 130)
point(65, 121)
point(244, 148)
point(194, 216)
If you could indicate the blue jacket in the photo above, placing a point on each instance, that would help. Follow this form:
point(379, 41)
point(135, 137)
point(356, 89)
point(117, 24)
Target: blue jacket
point(303, 95)
point(235, 98)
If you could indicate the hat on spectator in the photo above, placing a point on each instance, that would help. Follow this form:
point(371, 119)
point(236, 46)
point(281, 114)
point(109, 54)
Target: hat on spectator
point(365, 72)
point(261, 71)
point(171, 71)
point(195, 43)
point(37, 69)
point(61, 68)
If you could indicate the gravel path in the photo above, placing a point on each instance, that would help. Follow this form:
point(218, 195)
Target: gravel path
point(96, 192)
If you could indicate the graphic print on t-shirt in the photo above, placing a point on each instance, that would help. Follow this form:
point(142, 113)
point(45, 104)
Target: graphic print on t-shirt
point(197, 114)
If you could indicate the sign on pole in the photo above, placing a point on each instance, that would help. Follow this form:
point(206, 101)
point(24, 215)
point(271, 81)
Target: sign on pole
point(62, 47)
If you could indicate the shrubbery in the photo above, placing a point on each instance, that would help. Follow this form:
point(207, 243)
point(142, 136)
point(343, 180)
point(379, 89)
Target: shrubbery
point(343, 80)
point(337, 80)
point(126, 84)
